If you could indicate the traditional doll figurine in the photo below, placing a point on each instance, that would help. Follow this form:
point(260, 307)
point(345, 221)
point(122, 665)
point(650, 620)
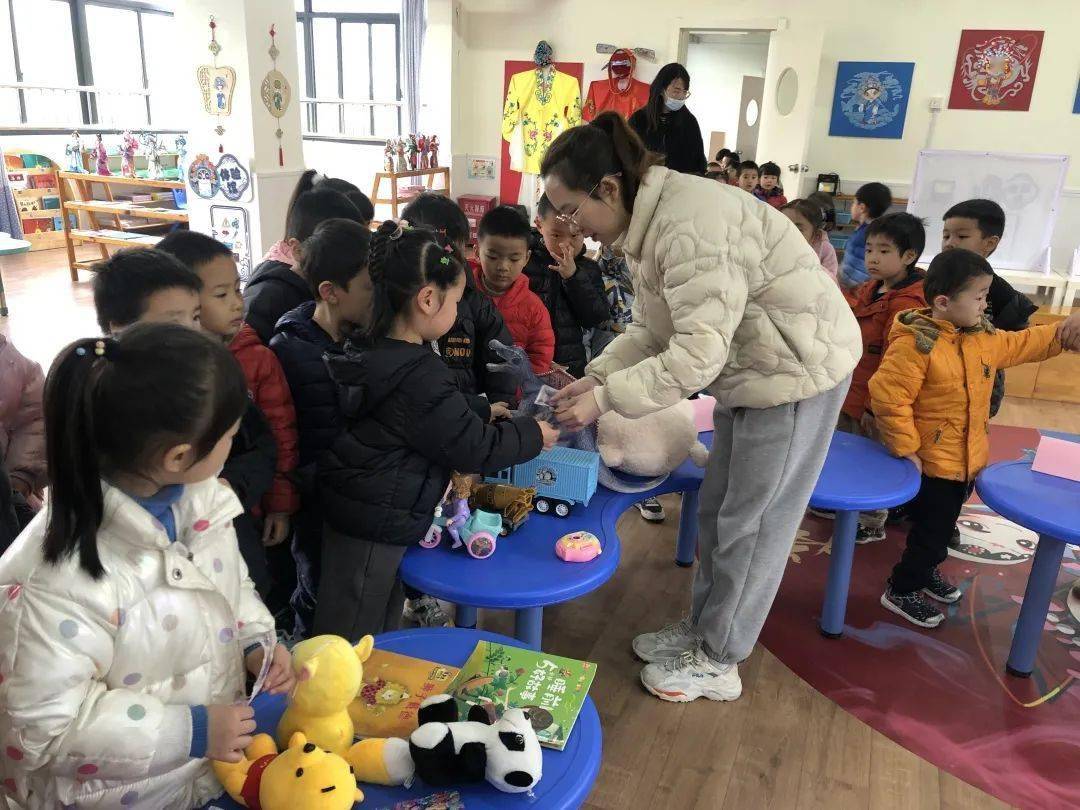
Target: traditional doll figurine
point(433, 152)
point(181, 154)
point(153, 155)
point(102, 157)
point(402, 166)
point(459, 506)
point(127, 154)
point(414, 152)
point(422, 143)
point(388, 155)
point(73, 151)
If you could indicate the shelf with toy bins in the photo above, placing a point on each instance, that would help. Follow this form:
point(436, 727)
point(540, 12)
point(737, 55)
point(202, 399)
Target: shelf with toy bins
point(34, 186)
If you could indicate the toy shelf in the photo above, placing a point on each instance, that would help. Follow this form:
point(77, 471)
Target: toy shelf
point(77, 197)
point(396, 198)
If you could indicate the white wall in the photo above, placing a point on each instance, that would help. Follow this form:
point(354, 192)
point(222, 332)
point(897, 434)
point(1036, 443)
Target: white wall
point(716, 74)
point(923, 31)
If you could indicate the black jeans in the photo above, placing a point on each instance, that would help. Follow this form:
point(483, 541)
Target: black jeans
point(933, 514)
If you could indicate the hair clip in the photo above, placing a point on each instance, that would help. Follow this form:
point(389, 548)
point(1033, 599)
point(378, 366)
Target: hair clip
point(402, 226)
point(448, 248)
point(99, 348)
point(81, 351)
point(445, 261)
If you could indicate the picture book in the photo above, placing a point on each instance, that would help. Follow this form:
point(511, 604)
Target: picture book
point(552, 689)
point(445, 800)
point(394, 686)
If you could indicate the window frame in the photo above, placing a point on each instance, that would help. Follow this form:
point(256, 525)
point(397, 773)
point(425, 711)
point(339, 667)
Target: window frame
point(310, 120)
point(84, 70)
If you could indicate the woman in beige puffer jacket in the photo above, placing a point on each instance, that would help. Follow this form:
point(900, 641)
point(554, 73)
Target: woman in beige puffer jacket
point(731, 299)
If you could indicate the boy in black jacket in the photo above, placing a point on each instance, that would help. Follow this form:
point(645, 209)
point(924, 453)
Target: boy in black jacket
point(137, 286)
point(569, 284)
point(978, 226)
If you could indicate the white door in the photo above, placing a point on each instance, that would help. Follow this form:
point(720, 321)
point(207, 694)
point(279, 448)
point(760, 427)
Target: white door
point(791, 76)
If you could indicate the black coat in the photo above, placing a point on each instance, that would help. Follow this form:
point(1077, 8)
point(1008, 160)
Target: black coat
point(465, 350)
point(575, 304)
point(407, 428)
point(275, 288)
point(250, 470)
point(1010, 310)
point(678, 138)
point(300, 344)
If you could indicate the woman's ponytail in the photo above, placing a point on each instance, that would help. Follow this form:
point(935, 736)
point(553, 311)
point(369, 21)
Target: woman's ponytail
point(581, 157)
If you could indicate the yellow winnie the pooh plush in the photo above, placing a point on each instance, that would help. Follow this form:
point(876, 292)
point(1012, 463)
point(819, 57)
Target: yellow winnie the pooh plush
point(302, 777)
point(329, 676)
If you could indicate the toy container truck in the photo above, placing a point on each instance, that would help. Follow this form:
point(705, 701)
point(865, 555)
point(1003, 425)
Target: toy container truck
point(562, 477)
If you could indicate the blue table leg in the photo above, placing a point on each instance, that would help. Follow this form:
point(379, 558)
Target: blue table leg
point(465, 616)
point(686, 544)
point(529, 626)
point(836, 587)
point(1040, 587)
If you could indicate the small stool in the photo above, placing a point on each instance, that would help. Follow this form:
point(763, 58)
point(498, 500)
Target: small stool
point(859, 476)
point(1050, 506)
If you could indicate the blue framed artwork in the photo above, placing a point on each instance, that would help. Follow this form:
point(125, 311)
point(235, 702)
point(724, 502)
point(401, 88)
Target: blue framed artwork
point(1076, 101)
point(870, 99)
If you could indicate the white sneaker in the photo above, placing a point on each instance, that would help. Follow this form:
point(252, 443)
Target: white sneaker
point(669, 642)
point(652, 510)
point(690, 676)
point(426, 612)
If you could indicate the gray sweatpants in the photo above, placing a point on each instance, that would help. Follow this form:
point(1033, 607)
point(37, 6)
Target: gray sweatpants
point(360, 592)
point(761, 472)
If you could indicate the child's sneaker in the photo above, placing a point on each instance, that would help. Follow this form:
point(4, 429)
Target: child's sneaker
point(869, 534)
point(954, 538)
point(826, 514)
point(426, 612)
point(669, 642)
point(912, 607)
point(652, 510)
point(941, 589)
point(692, 675)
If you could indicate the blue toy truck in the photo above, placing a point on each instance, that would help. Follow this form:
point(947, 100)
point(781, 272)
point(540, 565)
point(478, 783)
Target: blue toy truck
point(561, 477)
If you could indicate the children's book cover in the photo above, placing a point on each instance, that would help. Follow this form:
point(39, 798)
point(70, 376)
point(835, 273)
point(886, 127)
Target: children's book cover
point(552, 689)
point(394, 687)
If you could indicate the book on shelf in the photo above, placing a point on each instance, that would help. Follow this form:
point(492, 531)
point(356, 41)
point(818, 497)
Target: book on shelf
point(553, 689)
point(394, 686)
point(443, 800)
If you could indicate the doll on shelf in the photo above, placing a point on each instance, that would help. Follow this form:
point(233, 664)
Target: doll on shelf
point(414, 151)
point(102, 157)
point(422, 145)
point(388, 155)
point(127, 154)
point(181, 154)
point(73, 152)
point(402, 166)
point(461, 486)
point(433, 152)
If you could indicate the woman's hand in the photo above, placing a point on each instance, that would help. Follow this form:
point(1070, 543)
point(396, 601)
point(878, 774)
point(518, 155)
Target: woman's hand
point(576, 412)
point(574, 389)
point(280, 677)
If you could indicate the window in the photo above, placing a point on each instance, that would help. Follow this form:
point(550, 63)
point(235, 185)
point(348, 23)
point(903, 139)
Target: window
point(351, 68)
point(86, 63)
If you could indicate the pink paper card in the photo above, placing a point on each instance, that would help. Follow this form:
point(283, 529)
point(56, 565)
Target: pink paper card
point(703, 412)
point(1058, 457)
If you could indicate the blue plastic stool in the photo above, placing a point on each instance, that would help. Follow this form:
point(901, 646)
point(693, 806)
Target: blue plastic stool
point(859, 476)
point(1050, 506)
point(568, 774)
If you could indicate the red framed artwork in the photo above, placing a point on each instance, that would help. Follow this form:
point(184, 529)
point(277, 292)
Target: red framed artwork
point(509, 180)
point(995, 70)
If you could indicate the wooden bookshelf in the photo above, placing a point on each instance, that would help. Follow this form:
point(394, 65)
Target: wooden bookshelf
point(39, 224)
point(104, 213)
point(395, 199)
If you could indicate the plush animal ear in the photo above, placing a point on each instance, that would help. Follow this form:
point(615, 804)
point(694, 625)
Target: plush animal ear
point(297, 740)
point(364, 648)
point(308, 670)
point(478, 714)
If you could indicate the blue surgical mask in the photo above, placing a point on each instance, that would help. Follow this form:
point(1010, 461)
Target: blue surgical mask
point(674, 104)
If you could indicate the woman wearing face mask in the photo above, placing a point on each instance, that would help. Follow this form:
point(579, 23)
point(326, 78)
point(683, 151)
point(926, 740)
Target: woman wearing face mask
point(729, 298)
point(666, 126)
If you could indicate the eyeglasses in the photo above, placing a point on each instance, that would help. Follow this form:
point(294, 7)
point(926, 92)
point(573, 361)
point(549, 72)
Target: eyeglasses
point(571, 220)
point(679, 94)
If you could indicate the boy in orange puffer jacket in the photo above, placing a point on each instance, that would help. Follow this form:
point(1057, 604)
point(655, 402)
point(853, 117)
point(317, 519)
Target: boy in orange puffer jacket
point(931, 402)
point(893, 246)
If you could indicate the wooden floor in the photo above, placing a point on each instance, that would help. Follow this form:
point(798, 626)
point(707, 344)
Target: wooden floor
point(782, 745)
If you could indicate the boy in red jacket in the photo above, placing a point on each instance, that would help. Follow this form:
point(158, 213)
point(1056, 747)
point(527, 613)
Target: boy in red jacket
point(222, 315)
point(893, 245)
point(504, 251)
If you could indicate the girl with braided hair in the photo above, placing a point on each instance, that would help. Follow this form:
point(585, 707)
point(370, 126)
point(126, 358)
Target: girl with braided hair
point(408, 427)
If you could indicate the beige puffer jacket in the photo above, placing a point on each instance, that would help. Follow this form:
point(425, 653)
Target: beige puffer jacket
point(98, 677)
point(729, 297)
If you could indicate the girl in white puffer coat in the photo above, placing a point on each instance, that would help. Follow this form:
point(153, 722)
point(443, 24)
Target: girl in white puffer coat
point(126, 613)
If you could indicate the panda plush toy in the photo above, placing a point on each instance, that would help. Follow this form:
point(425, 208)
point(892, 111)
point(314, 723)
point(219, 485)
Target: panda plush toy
point(444, 752)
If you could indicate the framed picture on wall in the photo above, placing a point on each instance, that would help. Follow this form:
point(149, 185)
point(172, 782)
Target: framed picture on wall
point(995, 70)
point(870, 99)
point(1076, 101)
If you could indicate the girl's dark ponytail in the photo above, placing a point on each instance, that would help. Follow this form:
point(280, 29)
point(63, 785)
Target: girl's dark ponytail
point(112, 406)
point(404, 259)
point(76, 505)
point(581, 157)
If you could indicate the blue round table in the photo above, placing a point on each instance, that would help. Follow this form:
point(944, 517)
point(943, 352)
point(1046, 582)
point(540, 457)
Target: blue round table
point(568, 774)
point(1050, 506)
point(859, 475)
point(524, 575)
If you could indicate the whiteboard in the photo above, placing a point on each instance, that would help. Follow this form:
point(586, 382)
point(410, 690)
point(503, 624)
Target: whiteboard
point(1028, 187)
